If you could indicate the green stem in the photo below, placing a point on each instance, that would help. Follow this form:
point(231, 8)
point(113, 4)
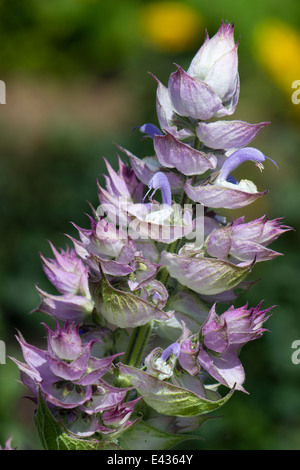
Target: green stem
point(137, 344)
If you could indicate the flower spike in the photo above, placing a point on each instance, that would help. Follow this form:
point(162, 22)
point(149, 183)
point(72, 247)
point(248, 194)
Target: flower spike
point(149, 270)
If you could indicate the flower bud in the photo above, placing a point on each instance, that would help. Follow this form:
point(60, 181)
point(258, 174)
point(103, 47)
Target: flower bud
point(211, 86)
point(216, 63)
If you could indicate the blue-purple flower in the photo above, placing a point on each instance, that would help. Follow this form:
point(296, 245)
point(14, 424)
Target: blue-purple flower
point(224, 191)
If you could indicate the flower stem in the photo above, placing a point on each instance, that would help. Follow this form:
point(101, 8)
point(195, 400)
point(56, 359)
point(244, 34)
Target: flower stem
point(137, 344)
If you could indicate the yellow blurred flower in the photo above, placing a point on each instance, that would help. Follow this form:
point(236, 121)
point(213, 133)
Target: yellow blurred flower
point(170, 25)
point(277, 48)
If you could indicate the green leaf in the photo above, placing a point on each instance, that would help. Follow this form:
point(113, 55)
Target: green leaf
point(169, 399)
point(145, 437)
point(53, 436)
point(121, 308)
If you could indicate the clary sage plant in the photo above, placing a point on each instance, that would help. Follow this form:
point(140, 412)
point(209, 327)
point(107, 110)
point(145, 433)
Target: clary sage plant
point(140, 352)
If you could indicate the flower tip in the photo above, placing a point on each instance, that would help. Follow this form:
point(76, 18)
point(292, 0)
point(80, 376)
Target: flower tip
point(179, 69)
point(226, 27)
point(155, 78)
point(34, 310)
point(19, 336)
point(149, 129)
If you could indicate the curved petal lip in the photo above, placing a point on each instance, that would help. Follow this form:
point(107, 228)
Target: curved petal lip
point(220, 197)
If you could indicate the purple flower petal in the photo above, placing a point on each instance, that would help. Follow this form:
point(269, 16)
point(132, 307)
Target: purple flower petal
point(216, 63)
point(232, 240)
point(174, 349)
point(238, 157)
point(192, 97)
point(123, 183)
point(204, 275)
point(262, 230)
point(64, 343)
point(144, 272)
point(175, 154)
point(228, 134)
point(65, 307)
point(214, 333)
point(150, 129)
point(226, 368)
point(211, 50)
point(222, 76)
point(65, 394)
point(66, 272)
point(65, 371)
point(243, 324)
point(160, 181)
point(118, 415)
point(188, 354)
point(105, 397)
point(144, 173)
point(166, 113)
point(215, 196)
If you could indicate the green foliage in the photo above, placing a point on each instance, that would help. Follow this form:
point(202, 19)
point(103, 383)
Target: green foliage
point(122, 309)
point(145, 437)
point(65, 37)
point(168, 399)
point(52, 435)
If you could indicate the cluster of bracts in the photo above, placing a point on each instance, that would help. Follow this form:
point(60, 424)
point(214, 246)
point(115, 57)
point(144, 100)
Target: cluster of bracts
point(138, 273)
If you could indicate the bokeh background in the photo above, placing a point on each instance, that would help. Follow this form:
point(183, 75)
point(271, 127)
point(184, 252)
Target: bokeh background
point(76, 74)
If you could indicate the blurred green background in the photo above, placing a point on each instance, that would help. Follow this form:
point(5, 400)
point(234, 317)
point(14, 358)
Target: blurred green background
point(76, 74)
